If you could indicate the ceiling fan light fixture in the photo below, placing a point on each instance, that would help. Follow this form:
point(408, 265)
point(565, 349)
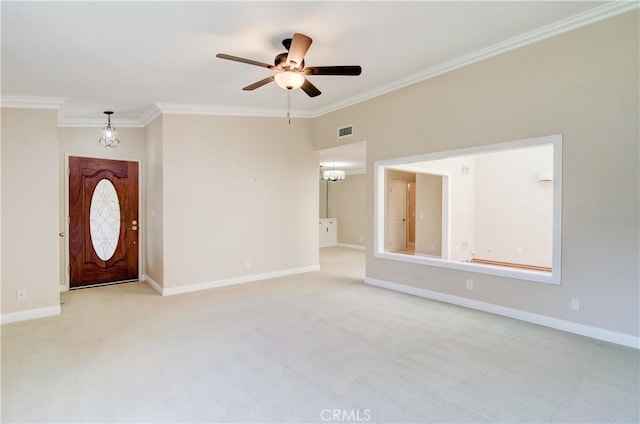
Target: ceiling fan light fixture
point(289, 80)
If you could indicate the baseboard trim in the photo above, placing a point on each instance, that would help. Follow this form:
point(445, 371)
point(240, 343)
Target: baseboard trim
point(29, 314)
point(555, 323)
point(233, 281)
point(153, 284)
point(352, 246)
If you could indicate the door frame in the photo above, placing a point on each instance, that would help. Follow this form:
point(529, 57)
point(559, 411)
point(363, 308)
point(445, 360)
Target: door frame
point(142, 226)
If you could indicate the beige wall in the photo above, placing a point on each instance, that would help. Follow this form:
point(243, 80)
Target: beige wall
point(400, 176)
point(428, 235)
point(29, 205)
point(240, 197)
point(323, 199)
point(582, 84)
point(83, 142)
point(349, 205)
point(154, 216)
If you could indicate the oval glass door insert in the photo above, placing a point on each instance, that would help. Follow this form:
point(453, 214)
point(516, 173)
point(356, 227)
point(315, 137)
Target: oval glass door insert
point(104, 219)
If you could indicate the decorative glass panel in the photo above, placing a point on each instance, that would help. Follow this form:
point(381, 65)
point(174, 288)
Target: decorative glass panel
point(104, 219)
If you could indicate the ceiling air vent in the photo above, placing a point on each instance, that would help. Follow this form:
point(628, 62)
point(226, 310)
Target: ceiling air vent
point(345, 132)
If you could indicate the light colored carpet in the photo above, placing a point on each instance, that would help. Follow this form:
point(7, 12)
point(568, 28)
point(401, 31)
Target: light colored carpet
point(295, 349)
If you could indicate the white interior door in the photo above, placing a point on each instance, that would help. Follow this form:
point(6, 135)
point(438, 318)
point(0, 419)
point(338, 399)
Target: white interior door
point(397, 216)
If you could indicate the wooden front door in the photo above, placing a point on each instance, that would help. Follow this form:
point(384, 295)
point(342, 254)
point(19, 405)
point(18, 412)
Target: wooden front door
point(103, 221)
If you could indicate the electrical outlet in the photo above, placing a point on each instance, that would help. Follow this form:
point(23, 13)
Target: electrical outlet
point(21, 294)
point(469, 284)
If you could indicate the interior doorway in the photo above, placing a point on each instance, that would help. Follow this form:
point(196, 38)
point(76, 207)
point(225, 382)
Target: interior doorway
point(397, 215)
point(417, 213)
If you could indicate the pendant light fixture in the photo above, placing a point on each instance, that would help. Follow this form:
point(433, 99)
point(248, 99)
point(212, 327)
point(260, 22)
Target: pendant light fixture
point(109, 134)
point(333, 174)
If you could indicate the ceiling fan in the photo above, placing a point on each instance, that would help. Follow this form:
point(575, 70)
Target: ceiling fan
point(290, 67)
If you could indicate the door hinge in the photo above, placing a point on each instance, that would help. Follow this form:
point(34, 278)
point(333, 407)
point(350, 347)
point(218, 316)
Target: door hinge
point(68, 220)
point(69, 269)
point(68, 170)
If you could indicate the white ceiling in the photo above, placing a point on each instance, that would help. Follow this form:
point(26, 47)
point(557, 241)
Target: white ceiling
point(128, 56)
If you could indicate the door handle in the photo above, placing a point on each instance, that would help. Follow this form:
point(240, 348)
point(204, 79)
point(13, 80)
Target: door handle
point(134, 225)
point(60, 234)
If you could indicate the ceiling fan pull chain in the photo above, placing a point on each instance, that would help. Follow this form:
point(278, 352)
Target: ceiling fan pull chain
point(289, 106)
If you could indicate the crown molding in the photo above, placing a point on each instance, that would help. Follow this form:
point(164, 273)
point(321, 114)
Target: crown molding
point(186, 109)
point(31, 102)
point(98, 123)
point(596, 14)
point(149, 114)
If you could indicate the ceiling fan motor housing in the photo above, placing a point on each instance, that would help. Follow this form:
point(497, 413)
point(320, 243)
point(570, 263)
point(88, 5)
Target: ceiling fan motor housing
point(281, 63)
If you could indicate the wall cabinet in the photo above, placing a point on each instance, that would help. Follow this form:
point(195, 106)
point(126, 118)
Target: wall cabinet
point(328, 232)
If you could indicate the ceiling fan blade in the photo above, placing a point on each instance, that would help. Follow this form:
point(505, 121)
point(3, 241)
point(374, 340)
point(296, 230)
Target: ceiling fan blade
point(299, 46)
point(258, 84)
point(310, 89)
point(243, 60)
point(333, 70)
